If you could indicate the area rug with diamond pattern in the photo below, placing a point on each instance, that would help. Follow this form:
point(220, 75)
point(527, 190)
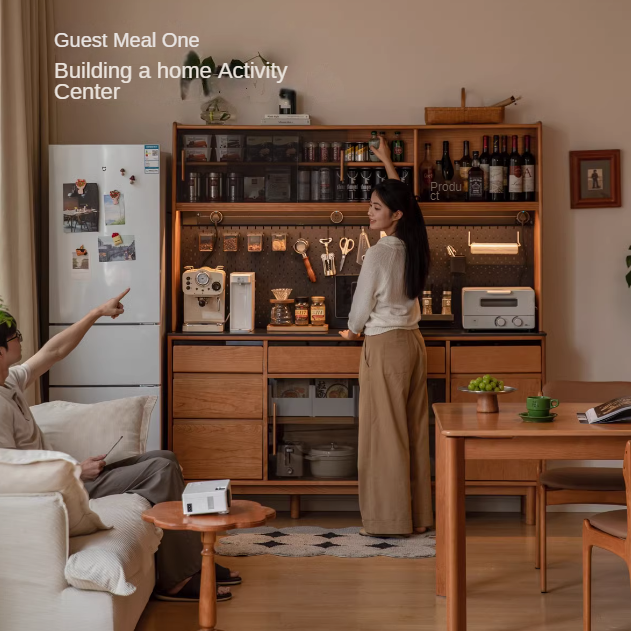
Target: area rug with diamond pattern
point(311, 541)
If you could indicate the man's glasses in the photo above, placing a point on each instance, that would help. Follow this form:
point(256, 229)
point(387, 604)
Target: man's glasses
point(17, 336)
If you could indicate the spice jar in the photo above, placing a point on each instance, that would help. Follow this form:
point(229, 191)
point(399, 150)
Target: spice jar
point(279, 242)
point(318, 311)
point(230, 241)
point(426, 303)
point(446, 303)
point(302, 311)
point(255, 241)
point(281, 312)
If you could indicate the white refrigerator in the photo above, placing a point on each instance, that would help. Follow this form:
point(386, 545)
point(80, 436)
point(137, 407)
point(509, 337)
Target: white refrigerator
point(106, 233)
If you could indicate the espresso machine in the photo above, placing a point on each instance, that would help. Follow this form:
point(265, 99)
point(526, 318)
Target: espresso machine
point(204, 299)
point(242, 302)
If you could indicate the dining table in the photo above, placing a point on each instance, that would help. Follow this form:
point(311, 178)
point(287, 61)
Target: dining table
point(463, 433)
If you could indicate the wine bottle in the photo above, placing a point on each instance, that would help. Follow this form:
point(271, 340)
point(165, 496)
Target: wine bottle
point(397, 148)
point(496, 173)
point(515, 181)
point(437, 193)
point(457, 193)
point(465, 165)
point(427, 174)
point(485, 164)
point(505, 161)
point(373, 142)
point(476, 179)
point(528, 171)
point(448, 168)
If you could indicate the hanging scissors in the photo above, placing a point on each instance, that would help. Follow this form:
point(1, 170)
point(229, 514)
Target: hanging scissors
point(346, 245)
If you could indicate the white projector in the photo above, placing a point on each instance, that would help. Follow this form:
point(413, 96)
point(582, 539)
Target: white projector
point(202, 498)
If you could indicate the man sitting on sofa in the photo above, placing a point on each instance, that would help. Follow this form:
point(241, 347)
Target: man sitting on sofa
point(156, 475)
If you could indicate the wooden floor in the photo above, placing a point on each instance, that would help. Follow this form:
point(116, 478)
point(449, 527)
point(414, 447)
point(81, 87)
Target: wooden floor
point(379, 594)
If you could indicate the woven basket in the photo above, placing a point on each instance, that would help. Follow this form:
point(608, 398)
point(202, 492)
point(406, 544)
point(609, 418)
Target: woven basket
point(463, 115)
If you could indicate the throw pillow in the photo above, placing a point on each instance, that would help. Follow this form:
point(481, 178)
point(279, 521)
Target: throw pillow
point(83, 430)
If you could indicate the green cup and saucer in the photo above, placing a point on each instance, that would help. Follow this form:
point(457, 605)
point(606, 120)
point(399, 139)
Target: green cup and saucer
point(539, 410)
point(525, 416)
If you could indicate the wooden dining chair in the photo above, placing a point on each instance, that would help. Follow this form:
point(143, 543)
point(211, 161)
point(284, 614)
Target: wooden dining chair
point(576, 485)
point(610, 531)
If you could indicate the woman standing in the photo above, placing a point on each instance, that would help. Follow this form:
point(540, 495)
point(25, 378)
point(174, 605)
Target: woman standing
point(394, 469)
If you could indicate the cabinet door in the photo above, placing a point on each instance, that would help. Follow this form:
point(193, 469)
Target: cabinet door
point(527, 385)
point(492, 359)
point(199, 395)
point(217, 450)
point(313, 360)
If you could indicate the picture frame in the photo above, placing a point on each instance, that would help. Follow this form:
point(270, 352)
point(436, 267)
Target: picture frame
point(595, 179)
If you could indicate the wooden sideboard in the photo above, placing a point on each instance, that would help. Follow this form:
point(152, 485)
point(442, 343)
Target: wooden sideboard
point(220, 424)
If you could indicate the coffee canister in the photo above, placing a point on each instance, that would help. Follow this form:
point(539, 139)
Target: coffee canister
point(304, 185)
point(380, 176)
point(315, 186)
point(340, 186)
point(235, 187)
point(194, 187)
point(214, 187)
point(326, 192)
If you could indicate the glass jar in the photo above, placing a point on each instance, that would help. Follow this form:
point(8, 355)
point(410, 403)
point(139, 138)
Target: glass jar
point(318, 311)
point(281, 314)
point(302, 311)
point(426, 303)
point(446, 303)
point(279, 242)
point(230, 241)
point(255, 241)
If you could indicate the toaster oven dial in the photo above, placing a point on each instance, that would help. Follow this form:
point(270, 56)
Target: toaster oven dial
point(518, 321)
point(500, 321)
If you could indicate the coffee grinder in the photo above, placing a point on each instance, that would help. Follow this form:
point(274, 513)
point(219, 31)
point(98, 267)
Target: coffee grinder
point(204, 299)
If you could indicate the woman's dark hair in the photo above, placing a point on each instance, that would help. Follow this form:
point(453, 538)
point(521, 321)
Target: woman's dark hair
point(8, 327)
point(411, 230)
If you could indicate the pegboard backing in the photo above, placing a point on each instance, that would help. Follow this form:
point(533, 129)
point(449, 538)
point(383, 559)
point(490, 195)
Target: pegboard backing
point(286, 269)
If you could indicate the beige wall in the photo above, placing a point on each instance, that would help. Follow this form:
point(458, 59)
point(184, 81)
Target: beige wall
point(369, 61)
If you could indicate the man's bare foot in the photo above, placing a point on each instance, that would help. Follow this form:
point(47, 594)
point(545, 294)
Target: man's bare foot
point(420, 531)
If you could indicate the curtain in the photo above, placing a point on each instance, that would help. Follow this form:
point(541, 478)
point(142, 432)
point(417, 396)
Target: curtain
point(26, 34)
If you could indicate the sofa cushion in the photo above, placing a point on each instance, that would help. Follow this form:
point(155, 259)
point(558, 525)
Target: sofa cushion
point(34, 471)
point(83, 430)
point(108, 561)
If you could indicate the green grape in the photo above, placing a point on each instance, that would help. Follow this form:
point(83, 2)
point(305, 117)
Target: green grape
point(500, 382)
point(502, 387)
point(486, 377)
point(489, 387)
point(497, 389)
point(471, 386)
point(473, 382)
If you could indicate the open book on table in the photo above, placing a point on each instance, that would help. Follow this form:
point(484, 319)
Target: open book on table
point(614, 411)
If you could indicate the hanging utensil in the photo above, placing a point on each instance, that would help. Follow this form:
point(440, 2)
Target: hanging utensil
point(362, 247)
point(328, 259)
point(301, 246)
point(346, 245)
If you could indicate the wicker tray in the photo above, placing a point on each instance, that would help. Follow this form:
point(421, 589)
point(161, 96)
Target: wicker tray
point(463, 115)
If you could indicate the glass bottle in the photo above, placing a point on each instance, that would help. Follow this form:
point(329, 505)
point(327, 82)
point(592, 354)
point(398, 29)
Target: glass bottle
point(496, 173)
point(505, 161)
point(373, 142)
point(528, 171)
point(485, 164)
point(301, 314)
point(397, 148)
point(318, 311)
point(465, 165)
point(456, 187)
point(427, 174)
point(515, 181)
point(437, 193)
point(448, 168)
point(476, 179)
point(426, 303)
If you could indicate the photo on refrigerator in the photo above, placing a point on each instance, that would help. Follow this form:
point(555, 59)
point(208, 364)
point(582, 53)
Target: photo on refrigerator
point(117, 248)
point(114, 209)
point(80, 207)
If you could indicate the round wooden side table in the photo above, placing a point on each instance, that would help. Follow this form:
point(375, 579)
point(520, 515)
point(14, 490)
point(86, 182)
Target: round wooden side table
point(243, 514)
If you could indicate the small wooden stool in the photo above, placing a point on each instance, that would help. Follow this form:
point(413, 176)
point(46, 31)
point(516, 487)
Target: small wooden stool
point(243, 514)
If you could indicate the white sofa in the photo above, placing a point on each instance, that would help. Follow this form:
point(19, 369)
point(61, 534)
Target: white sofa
point(38, 561)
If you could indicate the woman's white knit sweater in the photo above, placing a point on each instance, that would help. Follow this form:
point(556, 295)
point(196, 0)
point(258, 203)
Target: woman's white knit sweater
point(380, 303)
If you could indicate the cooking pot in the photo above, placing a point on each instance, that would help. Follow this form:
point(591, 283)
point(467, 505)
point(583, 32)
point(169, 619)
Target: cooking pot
point(333, 461)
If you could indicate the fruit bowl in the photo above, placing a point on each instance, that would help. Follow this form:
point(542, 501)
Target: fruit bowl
point(487, 399)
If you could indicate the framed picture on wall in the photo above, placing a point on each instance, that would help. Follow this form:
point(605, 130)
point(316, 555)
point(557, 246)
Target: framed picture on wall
point(595, 179)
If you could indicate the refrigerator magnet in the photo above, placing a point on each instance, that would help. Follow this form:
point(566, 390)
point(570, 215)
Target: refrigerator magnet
point(117, 239)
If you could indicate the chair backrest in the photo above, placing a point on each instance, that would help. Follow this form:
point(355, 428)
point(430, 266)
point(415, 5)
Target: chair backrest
point(587, 391)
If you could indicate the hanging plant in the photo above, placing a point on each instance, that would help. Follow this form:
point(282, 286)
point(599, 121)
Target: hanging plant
point(5, 318)
point(628, 276)
point(193, 60)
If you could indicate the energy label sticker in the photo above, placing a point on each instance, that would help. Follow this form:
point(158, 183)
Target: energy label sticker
point(152, 158)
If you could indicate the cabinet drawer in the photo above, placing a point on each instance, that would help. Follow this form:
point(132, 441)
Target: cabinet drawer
point(527, 386)
point(435, 360)
point(217, 450)
point(495, 359)
point(200, 395)
point(313, 359)
point(504, 470)
point(218, 359)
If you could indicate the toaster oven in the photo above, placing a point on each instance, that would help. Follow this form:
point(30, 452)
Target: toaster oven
point(498, 308)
